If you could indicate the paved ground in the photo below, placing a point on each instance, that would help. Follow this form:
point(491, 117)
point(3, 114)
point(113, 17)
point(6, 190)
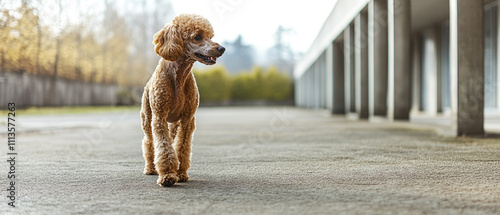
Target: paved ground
point(252, 161)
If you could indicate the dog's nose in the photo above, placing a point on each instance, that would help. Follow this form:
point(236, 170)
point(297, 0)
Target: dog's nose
point(221, 49)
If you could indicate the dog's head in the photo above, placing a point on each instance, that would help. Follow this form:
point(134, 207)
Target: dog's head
point(188, 36)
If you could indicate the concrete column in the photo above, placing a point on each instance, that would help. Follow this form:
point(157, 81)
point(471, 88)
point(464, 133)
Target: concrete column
point(467, 66)
point(317, 85)
point(305, 90)
point(439, 59)
point(298, 91)
point(329, 77)
point(498, 60)
point(322, 76)
point(361, 64)
point(310, 84)
point(431, 71)
point(296, 95)
point(302, 91)
point(399, 88)
point(348, 67)
point(338, 78)
point(377, 57)
point(314, 86)
point(416, 73)
point(309, 90)
point(308, 94)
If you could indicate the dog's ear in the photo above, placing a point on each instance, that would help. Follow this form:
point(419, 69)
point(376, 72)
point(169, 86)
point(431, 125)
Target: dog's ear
point(168, 42)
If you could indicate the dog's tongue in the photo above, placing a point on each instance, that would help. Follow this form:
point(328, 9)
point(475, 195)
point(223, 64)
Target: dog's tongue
point(214, 59)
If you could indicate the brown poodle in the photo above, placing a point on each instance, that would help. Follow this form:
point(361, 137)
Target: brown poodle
point(170, 97)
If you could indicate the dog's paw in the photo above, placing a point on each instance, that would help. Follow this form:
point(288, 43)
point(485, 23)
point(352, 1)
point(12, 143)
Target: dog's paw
point(183, 177)
point(167, 180)
point(149, 171)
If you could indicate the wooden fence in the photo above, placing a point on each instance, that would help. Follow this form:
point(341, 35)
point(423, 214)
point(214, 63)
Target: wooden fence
point(31, 90)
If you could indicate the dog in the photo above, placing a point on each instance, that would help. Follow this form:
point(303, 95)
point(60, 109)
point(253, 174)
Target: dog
point(170, 97)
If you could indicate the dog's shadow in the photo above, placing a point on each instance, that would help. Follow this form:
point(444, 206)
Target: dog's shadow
point(196, 184)
point(189, 185)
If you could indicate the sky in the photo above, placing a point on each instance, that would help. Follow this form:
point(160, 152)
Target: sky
point(257, 20)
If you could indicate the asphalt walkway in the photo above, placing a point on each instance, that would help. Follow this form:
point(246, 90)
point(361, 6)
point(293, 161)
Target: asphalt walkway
point(251, 161)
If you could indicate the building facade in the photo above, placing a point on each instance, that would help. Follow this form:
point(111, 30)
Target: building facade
point(399, 59)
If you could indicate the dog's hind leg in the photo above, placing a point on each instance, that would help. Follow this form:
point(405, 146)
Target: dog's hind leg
point(147, 141)
point(183, 146)
point(173, 128)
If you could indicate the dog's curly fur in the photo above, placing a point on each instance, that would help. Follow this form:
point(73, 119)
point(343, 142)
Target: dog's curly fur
point(170, 98)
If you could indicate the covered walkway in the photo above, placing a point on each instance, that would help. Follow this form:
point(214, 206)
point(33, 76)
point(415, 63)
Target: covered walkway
point(400, 59)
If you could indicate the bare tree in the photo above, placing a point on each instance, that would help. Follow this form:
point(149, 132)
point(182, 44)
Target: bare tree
point(58, 40)
point(78, 60)
point(39, 42)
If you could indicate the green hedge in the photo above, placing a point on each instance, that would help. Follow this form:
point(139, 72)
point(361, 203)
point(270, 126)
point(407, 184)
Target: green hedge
point(215, 84)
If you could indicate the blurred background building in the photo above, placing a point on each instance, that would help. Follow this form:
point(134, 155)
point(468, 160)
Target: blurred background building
point(403, 59)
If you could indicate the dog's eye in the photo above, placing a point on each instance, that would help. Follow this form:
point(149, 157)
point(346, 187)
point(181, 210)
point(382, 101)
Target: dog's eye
point(197, 37)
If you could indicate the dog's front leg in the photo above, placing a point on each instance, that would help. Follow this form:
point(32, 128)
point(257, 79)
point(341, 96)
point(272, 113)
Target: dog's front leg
point(166, 161)
point(183, 146)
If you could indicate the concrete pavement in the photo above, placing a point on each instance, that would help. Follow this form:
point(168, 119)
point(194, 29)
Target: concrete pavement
point(252, 161)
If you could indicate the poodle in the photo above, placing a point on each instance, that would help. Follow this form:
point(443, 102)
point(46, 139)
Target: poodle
point(170, 97)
